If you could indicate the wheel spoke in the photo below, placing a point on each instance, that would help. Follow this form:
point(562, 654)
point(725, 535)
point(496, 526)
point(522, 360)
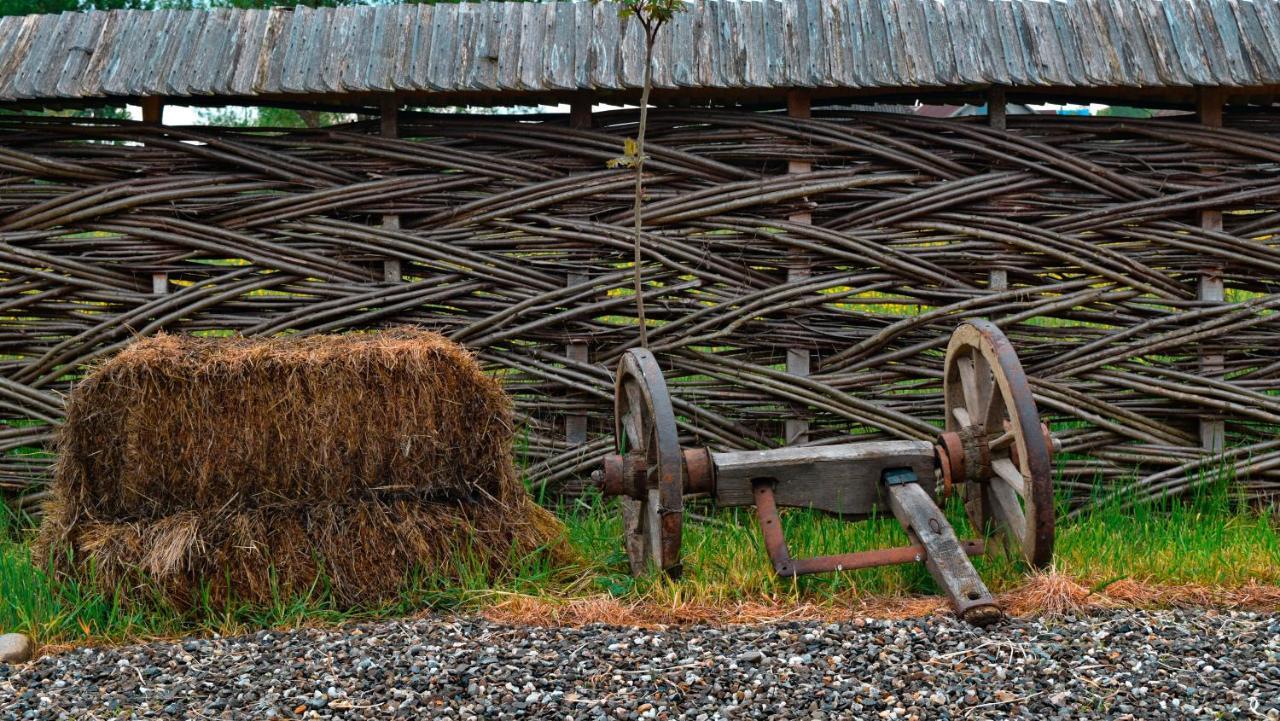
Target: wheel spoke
point(631, 420)
point(994, 414)
point(1010, 474)
point(1005, 439)
point(985, 382)
point(653, 526)
point(1006, 507)
point(633, 534)
point(969, 383)
point(961, 415)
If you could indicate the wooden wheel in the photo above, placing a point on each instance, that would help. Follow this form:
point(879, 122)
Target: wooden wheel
point(645, 430)
point(988, 401)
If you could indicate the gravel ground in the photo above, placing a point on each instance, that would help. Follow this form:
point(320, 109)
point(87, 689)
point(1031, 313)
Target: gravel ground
point(1119, 665)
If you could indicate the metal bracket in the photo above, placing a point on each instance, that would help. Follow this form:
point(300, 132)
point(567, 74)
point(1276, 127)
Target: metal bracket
point(775, 542)
point(899, 476)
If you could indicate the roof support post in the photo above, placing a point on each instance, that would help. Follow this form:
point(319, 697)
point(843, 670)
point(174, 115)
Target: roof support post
point(390, 125)
point(1211, 287)
point(153, 110)
point(799, 360)
point(577, 350)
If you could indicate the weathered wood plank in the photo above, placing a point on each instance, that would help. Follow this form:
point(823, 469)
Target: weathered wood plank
point(1224, 20)
point(11, 31)
point(289, 58)
point(775, 36)
point(533, 44)
point(312, 79)
point(444, 46)
point(1187, 47)
point(1072, 56)
point(88, 26)
point(408, 45)
point(1043, 50)
point(355, 65)
point(1215, 54)
point(719, 59)
point(122, 53)
point(917, 52)
point(182, 80)
point(509, 49)
point(380, 68)
point(938, 34)
point(269, 43)
point(875, 47)
point(1263, 49)
point(1154, 26)
point(337, 49)
point(703, 51)
point(558, 58)
point(46, 39)
point(631, 55)
point(422, 55)
point(842, 41)
point(1269, 19)
point(582, 24)
point(840, 478)
point(899, 66)
point(1009, 26)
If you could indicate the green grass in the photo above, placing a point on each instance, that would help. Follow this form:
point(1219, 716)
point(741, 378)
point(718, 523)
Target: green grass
point(1209, 539)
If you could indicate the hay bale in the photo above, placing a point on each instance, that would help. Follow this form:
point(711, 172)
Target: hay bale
point(257, 466)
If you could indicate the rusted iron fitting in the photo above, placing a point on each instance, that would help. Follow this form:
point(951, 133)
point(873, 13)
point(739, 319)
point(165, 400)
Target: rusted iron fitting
point(622, 476)
point(1053, 444)
point(949, 450)
point(699, 471)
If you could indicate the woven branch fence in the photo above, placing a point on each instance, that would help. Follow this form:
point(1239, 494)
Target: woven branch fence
point(512, 235)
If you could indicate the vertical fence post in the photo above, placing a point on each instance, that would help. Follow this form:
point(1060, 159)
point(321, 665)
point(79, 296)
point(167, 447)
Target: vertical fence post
point(798, 359)
point(390, 120)
point(153, 114)
point(575, 424)
point(1212, 290)
point(997, 118)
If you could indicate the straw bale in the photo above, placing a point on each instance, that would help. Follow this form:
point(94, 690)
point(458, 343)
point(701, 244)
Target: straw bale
point(183, 422)
point(250, 469)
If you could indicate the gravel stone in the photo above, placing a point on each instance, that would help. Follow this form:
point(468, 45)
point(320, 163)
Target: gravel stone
point(15, 648)
point(1118, 665)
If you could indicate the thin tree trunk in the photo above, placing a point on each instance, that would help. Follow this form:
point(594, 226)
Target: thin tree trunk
point(649, 37)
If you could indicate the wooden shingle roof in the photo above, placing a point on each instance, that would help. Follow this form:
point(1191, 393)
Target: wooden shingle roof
point(506, 48)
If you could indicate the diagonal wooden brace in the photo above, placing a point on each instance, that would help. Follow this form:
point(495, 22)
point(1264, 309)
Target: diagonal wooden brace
point(945, 557)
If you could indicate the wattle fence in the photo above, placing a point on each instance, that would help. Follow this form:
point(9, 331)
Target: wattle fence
point(854, 240)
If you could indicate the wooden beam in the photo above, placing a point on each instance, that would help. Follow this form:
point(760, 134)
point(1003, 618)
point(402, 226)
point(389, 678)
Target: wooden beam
point(799, 360)
point(1213, 430)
